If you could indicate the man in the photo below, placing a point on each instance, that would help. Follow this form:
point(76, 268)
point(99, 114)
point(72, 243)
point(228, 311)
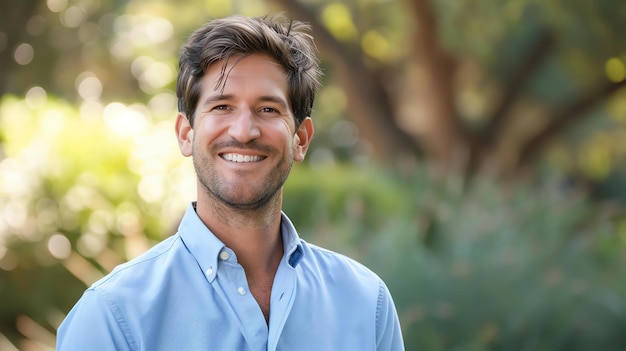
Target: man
point(236, 276)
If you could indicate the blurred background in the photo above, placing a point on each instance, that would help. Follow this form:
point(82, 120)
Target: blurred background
point(472, 153)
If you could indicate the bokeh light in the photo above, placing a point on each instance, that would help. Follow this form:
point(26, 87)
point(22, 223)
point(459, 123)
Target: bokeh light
point(24, 54)
point(59, 246)
point(36, 97)
point(56, 5)
point(337, 17)
point(375, 44)
point(615, 70)
point(88, 85)
point(123, 120)
point(73, 17)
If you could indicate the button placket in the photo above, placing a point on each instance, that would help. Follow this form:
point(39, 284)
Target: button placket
point(209, 271)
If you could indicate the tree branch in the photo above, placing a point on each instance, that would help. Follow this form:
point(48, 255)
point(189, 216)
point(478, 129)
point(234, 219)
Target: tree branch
point(486, 138)
point(564, 118)
point(447, 136)
point(536, 55)
point(370, 105)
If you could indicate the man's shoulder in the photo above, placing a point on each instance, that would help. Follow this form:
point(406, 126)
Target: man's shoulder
point(135, 272)
point(334, 263)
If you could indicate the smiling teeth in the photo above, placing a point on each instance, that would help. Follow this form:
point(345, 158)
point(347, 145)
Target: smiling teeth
point(241, 158)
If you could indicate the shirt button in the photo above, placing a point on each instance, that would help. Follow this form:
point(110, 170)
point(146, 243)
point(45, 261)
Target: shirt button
point(209, 271)
point(241, 290)
point(224, 255)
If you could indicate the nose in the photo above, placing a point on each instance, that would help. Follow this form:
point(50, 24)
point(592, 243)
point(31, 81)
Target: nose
point(244, 126)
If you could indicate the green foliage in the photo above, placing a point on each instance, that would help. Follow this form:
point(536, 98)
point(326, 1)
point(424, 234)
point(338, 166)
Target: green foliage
point(490, 268)
point(78, 195)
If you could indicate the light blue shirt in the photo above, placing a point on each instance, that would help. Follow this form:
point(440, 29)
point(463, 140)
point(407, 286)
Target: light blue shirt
point(188, 293)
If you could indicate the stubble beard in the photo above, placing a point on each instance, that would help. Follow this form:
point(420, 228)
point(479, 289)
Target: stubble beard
point(257, 194)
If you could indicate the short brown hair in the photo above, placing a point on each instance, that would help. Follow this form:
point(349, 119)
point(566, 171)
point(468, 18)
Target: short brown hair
point(287, 42)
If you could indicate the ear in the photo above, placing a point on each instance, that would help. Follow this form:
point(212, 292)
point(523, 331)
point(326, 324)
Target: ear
point(184, 132)
point(302, 139)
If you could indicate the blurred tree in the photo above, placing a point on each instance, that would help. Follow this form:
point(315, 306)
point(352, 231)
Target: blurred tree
point(470, 85)
point(466, 86)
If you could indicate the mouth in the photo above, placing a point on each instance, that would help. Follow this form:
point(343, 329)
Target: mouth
point(239, 158)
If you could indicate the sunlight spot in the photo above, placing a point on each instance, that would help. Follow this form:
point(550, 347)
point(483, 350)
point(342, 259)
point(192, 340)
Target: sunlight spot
point(145, 30)
point(59, 246)
point(182, 183)
point(375, 44)
point(122, 49)
point(15, 214)
point(12, 178)
point(36, 97)
point(139, 65)
point(90, 6)
point(128, 222)
point(123, 120)
point(24, 54)
point(163, 104)
point(151, 187)
point(615, 70)
point(91, 110)
point(56, 5)
point(337, 18)
point(157, 75)
point(89, 86)
point(100, 222)
point(80, 197)
point(158, 30)
point(9, 261)
point(52, 121)
point(91, 244)
point(151, 74)
point(595, 160)
point(73, 17)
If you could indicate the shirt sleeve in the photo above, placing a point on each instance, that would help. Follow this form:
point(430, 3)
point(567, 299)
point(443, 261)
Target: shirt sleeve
point(94, 324)
point(388, 332)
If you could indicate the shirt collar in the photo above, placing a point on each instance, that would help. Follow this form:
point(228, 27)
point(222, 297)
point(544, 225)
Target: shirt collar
point(291, 241)
point(200, 241)
point(206, 247)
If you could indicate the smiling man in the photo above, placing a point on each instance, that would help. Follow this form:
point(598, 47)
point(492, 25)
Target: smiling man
point(236, 276)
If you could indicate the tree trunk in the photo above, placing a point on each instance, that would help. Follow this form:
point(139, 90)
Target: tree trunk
point(369, 104)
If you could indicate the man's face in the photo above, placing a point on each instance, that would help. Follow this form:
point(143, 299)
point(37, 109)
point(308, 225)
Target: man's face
point(244, 140)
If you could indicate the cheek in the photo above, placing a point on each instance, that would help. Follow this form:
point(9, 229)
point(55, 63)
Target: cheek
point(207, 130)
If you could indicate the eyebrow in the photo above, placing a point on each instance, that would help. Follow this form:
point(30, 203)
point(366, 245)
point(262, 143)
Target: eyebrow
point(264, 98)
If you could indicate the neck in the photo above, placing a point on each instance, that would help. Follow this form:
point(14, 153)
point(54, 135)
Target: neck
point(254, 235)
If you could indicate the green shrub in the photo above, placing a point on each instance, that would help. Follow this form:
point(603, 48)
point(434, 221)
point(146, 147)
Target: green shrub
point(489, 268)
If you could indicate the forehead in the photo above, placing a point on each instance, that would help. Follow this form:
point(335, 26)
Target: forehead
point(245, 70)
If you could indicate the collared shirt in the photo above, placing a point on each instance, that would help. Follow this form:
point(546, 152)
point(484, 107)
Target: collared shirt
point(189, 293)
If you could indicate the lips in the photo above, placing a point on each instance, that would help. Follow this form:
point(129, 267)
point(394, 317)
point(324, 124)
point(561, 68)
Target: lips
point(239, 158)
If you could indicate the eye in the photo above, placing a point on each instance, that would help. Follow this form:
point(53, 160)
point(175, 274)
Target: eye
point(221, 107)
point(269, 110)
